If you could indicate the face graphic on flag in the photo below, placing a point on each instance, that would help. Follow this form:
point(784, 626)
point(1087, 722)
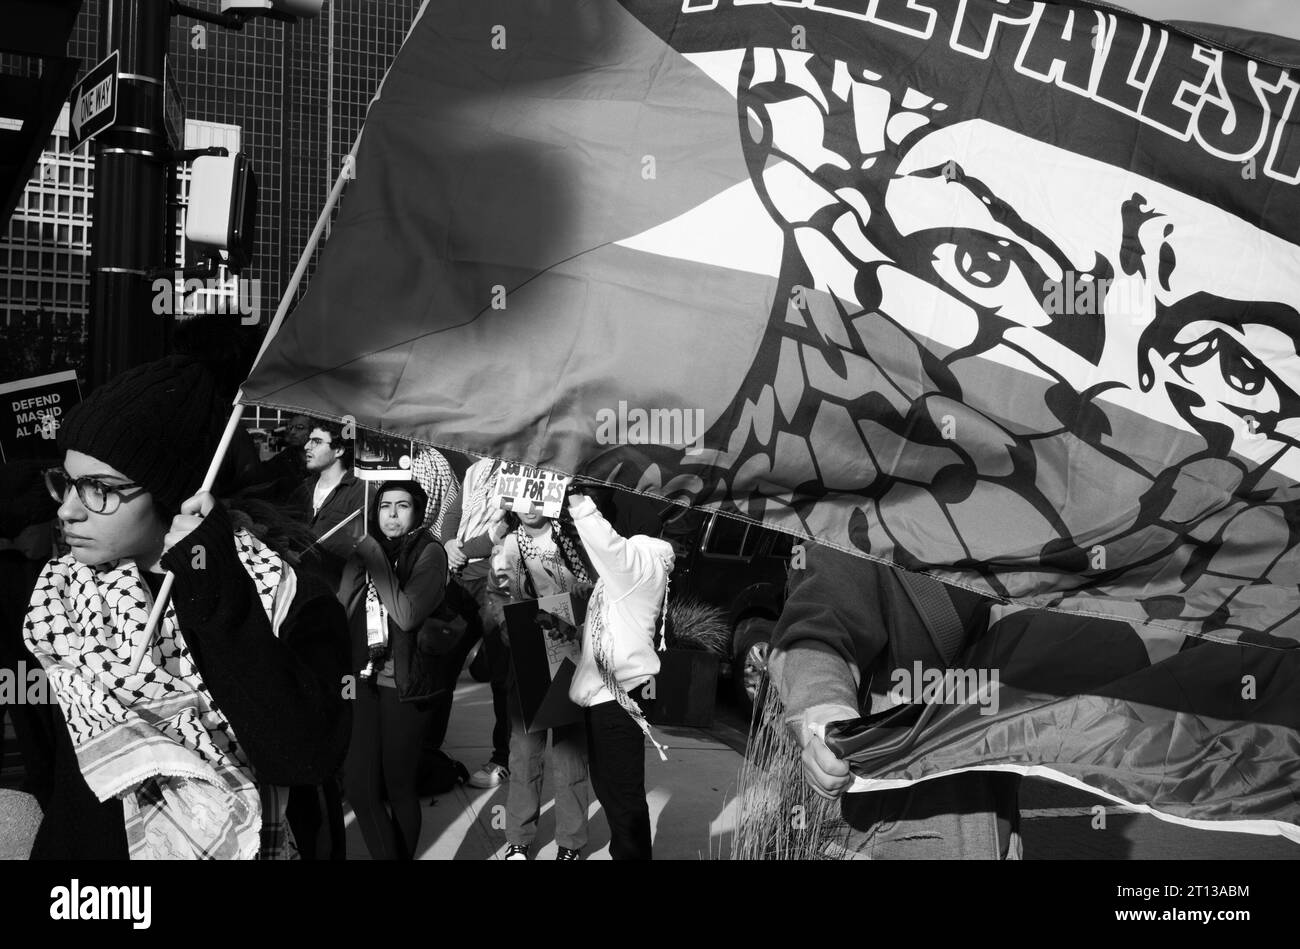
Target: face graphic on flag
point(1022, 361)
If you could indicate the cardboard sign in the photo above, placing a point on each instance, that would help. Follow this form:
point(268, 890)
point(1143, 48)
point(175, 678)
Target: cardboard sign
point(545, 646)
point(528, 490)
point(381, 458)
point(31, 411)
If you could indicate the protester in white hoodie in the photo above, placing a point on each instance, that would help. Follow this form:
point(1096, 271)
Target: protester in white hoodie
point(619, 656)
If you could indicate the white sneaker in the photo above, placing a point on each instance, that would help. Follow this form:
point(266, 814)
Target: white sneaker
point(491, 775)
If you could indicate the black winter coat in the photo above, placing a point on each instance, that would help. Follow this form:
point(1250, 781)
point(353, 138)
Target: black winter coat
point(410, 605)
point(282, 695)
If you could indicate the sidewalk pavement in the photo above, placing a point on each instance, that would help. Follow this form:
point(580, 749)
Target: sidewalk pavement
point(691, 797)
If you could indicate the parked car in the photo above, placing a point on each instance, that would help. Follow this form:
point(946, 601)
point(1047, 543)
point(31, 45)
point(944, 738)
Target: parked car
point(741, 568)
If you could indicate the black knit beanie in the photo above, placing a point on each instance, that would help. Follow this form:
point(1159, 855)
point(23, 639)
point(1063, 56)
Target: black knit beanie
point(158, 424)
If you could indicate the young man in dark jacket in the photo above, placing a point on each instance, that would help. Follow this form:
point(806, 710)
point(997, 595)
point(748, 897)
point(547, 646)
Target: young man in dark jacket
point(832, 652)
point(331, 493)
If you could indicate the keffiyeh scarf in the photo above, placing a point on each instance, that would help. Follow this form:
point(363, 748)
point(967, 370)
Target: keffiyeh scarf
point(432, 470)
point(477, 515)
point(376, 629)
point(602, 651)
point(156, 739)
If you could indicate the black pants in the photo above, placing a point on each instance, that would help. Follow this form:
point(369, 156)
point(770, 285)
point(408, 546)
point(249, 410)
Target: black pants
point(312, 806)
point(382, 763)
point(616, 764)
point(498, 660)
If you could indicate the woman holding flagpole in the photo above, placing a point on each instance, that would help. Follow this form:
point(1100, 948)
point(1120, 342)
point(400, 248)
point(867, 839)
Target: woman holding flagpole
point(238, 694)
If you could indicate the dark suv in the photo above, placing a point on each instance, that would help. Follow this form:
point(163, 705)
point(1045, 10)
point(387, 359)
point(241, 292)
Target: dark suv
point(742, 569)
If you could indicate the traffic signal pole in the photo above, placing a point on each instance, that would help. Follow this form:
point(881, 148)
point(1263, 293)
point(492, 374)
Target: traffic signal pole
point(130, 231)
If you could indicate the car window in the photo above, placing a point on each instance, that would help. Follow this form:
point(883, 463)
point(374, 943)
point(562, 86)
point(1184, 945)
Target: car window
point(727, 537)
point(783, 545)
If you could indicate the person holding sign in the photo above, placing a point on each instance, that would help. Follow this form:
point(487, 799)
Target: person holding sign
point(618, 656)
point(540, 557)
point(392, 583)
point(238, 695)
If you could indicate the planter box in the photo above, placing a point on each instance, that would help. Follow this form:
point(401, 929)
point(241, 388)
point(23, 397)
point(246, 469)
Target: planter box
point(684, 690)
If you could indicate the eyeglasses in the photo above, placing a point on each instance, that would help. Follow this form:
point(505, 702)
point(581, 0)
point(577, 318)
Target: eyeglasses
point(97, 496)
point(319, 441)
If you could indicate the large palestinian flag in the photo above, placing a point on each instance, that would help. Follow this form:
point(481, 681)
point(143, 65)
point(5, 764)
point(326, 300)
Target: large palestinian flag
point(1001, 291)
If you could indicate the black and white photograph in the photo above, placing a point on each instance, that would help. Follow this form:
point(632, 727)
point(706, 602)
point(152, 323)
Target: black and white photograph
point(779, 432)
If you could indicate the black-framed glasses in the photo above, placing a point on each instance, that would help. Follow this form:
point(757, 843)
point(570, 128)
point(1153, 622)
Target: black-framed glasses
point(98, 497)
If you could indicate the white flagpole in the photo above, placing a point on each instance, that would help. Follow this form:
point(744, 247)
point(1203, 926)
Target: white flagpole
point(346, 173)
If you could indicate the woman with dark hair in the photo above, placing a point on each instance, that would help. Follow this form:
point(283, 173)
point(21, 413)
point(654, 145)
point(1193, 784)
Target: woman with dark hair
point(540, 557)
point(392, 583)
point(238, 694)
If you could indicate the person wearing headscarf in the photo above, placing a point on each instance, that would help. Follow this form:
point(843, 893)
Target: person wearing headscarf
point(392, 584)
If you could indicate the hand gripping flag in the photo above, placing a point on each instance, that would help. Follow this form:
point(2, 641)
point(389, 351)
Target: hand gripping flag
point(1005, 292)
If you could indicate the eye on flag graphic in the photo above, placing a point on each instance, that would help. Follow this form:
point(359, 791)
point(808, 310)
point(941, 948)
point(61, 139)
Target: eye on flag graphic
point(1001, 292)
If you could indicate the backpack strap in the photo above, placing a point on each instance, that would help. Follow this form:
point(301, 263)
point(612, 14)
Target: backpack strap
point(944, 626)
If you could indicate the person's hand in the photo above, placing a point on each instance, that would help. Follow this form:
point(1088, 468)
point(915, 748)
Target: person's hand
point(828, 775)
point(193, 511)
point(579, 488)
point(455, 556)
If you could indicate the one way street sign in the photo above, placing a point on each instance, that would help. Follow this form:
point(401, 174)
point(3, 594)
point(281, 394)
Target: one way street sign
point(94, 102)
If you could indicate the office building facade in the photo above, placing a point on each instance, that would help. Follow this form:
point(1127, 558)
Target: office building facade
point(293, 95)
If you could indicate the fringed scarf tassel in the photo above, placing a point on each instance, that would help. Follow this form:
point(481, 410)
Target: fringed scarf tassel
point(600, 652)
